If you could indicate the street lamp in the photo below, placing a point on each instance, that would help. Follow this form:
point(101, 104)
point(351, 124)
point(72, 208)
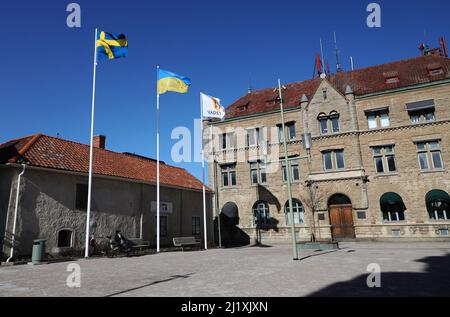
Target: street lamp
point(288, 178)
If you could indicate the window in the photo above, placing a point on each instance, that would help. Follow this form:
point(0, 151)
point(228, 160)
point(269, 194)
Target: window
point(323, 125)
point(394, 213)
point(422, 116)
point(333, 160)
point(65, 238)
point(421, 111)
point(290, 128)
point(299, 215)
point(392, 207)
point(196, 226)
point(335, 124)
point(81, 199)
point(325, 94)
point(440, 211)
point(384, 159)
point(261, 213)
point(329, 123)
point(227, 141)
point(255, 137)
point(378, 118)
point(429, 155)
point(295, 170)
point(258, 173)
point(229, 175)
point(163, 220)
point(438, 203)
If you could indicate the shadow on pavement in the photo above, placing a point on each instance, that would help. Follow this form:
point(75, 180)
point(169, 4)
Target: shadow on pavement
point(174, 277)
point(434, 282)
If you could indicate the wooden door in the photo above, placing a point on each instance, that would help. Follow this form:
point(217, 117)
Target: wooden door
point(341, 218)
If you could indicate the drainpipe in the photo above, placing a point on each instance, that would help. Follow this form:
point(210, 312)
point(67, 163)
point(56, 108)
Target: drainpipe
point(13, 241)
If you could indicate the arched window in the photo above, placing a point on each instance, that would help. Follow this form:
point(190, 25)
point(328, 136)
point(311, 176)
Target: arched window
point(323, 123)
point(329, 124)
point(334, 118)
point(438, 203)
point(299, 213)
point(261, 213)
point(392, 207)
point(65, 238)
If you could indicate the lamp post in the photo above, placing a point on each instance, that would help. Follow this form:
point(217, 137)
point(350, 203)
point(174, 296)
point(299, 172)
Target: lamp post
point(288, 178)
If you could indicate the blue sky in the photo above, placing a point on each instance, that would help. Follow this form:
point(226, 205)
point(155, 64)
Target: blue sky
point(46, 67)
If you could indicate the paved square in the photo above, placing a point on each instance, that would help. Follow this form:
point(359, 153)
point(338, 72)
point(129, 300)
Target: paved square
point(408, 269)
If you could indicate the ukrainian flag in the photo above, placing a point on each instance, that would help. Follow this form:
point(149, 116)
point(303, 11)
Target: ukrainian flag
point(168, 81)
point(111, 46)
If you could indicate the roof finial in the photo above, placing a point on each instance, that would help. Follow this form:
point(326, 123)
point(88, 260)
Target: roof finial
point(250, 86)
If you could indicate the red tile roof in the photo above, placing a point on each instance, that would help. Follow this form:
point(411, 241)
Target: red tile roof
point(363, 81)
point(48, 152)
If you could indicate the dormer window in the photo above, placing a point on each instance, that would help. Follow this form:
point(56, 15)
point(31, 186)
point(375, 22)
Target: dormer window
point(242, 108)
point(391, 77)
point(436, 72)
point(435, 69)
point(392, 80)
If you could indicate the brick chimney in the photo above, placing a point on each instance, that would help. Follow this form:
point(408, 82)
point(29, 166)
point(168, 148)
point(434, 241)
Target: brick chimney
point(100, 142)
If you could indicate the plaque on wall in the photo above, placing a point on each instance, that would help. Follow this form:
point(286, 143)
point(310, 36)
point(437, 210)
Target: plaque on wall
point(165, 207)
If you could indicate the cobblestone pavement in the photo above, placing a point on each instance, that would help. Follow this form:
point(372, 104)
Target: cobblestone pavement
point(408, 269)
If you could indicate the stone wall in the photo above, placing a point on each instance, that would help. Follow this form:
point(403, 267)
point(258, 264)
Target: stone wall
point(48, 204)
point(358, 180)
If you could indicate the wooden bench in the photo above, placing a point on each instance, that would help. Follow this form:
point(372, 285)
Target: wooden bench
point(139, 244)
point(183, 242)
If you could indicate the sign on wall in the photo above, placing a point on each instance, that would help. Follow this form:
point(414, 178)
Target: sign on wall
point(165, 208)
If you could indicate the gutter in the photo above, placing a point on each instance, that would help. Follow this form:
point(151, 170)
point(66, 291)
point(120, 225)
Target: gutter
point(13, 242)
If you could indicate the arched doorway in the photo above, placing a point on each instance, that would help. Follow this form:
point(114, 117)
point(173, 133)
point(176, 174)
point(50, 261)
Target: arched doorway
point(231, 234)
point(341, 217)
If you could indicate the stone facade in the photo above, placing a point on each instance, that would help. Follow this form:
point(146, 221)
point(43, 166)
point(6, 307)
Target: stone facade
point(358, 180)
point(47, 204)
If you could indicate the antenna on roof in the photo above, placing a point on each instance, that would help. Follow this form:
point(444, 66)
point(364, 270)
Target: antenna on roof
point(250, 86)
point(337, 52)
point(352, 65)
point(323, 75)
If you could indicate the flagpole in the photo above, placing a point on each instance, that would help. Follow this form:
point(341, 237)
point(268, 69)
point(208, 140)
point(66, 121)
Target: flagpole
point(158, 202)
point(216, 197)
point(91, 154)
point(203, 176)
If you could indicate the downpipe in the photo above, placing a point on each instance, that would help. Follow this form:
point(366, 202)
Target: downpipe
point(13, 240)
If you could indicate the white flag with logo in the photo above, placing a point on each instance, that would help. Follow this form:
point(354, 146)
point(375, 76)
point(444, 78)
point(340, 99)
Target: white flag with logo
point(212, 107)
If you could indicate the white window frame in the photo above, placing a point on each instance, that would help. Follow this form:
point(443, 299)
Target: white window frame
point(428, 151)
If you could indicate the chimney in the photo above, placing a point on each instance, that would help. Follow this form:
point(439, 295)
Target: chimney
point(100, 142)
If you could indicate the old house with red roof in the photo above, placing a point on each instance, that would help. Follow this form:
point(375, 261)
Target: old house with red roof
point(376, 167)
point(53, 195)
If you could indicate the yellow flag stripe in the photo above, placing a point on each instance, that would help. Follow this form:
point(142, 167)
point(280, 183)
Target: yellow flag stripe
point(172, 84)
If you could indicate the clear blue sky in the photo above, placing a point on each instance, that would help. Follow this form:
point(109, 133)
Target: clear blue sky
point(46, 68)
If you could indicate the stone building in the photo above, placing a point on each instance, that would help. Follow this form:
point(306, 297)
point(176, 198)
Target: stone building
point(53, 196)
point(377, 167)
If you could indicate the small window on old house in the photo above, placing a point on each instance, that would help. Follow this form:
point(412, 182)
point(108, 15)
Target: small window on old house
point(65, 238)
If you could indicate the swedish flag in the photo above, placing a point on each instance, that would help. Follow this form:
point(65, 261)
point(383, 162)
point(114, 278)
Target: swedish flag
point(111, 46)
